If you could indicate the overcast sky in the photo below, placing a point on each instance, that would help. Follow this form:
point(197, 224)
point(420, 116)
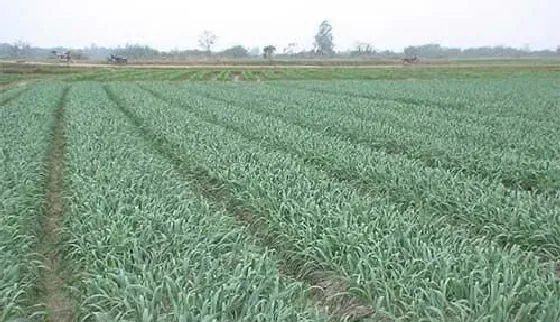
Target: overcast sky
point(387, 24)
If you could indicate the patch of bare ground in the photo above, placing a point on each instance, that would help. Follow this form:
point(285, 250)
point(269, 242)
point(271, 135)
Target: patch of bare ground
point(333, 293)
point(330, 292)
point(53, 296)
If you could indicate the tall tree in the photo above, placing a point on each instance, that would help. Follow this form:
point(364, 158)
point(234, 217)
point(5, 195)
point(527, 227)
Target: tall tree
point(268, 51)
point(324, 44)
point(207, 40)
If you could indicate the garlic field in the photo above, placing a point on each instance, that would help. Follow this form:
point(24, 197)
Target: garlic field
point(386, 200)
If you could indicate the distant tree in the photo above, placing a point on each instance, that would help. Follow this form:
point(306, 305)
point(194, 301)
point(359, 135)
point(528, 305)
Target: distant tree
point(235, 52)
point(324, 44)
point(79, 54)
point(138, 51)
point(207, 40)
point(20, 49)
point(268, 51)
point(92, 50)
point(363, 49)
point(255, 52)
point(96, 52)
point(558, 50)
point(410, 52)
point(291, 49)
point(431, 51)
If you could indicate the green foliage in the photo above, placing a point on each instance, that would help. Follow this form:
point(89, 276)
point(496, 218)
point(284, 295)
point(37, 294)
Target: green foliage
point(235, 52)
point(324, 44)
point(431, 200)
point(144, 245)
point(410, 246)
point(354, 146)
point(268, 51)
point(25, 128)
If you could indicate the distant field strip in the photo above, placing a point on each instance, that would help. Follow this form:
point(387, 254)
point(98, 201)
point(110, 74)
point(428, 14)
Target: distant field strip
point(388, 200)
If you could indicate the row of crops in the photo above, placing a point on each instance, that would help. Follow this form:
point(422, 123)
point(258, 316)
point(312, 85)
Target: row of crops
point(290, 201)
point(487, 142)
point(209, 74)
point(26, 124)
point(145, 246)
point(380, 243)
point(484, 207)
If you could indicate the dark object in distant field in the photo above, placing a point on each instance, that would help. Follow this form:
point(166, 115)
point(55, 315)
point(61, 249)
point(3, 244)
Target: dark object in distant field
point(411, 60)
point(117, 59)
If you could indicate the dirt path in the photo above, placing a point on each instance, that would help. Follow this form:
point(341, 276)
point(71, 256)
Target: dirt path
point(59, 307)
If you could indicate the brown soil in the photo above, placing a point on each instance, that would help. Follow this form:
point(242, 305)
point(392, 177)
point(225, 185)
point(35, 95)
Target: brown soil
point(58, 305)
point(333, 293)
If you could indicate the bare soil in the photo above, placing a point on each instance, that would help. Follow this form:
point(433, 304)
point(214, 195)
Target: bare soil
point(333, 293)
point(59, 307)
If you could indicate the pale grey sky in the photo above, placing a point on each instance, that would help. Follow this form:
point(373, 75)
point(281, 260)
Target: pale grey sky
point(388, 24)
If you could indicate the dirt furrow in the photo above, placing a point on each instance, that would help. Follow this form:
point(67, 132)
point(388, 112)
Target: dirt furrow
point(53, 295)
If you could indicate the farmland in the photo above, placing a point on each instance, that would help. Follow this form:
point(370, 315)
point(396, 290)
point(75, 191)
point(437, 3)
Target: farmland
point(402, 198)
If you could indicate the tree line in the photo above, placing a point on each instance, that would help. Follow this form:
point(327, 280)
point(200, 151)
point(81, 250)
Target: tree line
point(323, 46)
